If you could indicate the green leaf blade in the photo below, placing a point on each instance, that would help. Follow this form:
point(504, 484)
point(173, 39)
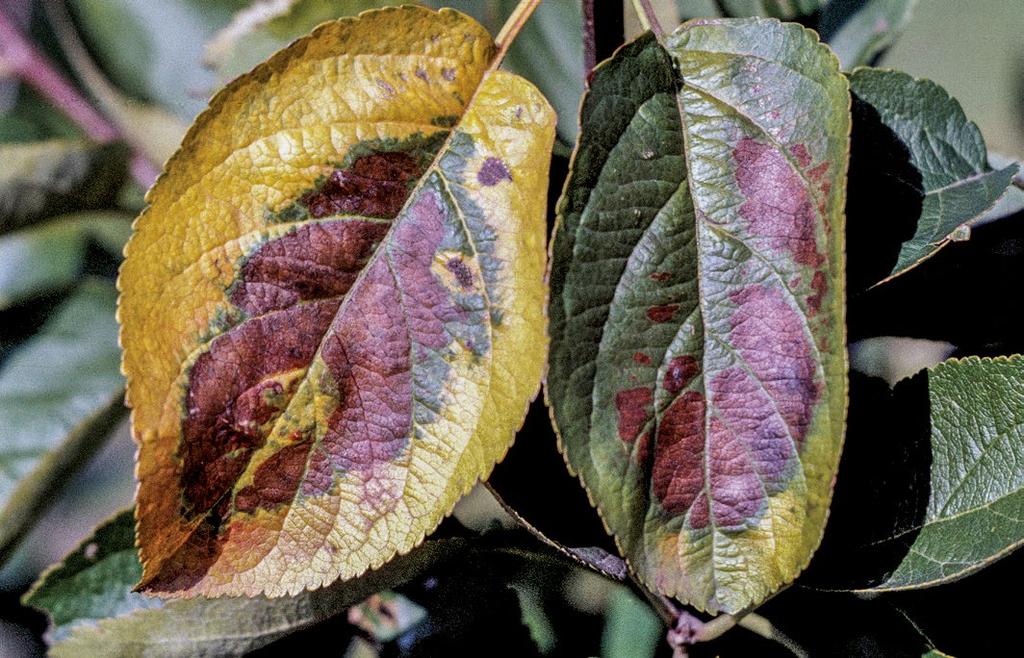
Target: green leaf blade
point(975, 512)
point(699, 262)
point(958, 185)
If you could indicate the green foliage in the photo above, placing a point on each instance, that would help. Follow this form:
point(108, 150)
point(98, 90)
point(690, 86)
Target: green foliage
point(957, 184)
point(94, 612)
point(49, 426)
point(975, 511)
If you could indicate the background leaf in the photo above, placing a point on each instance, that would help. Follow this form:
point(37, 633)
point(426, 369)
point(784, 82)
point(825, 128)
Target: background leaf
point(698, 355)
point(50, 425)
point(327, 360)
point(94, 612)
point(958, 186)
point(41, 179)
point(860, 31)
point(50, 257)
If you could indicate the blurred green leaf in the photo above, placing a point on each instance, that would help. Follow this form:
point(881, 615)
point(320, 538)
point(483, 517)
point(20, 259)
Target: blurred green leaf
point(60, 395)
point(94, 613)
point(631, 629)
point(1010, 203)
point(48, 257)
point(31, 119)
point(958, 184)
point(42, 179)
point(264, 27)
point(548, 52)
point(859, 31)
point(153, 50)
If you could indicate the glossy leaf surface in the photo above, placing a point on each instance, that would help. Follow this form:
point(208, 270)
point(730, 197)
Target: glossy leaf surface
point(93, 611)
point(332, 311)
point(698, 357)
point(975, 512)
point(957, 184)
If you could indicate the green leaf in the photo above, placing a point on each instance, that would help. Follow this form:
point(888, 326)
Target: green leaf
point(60, 395)
point(41, 179)
point(859, 31)
point(697, 303)
point(947, 149)
point(153, 50)
point(975, 512)
point(631, 629)
point(48, 257)
point(31, 119)
point(94, 612)
point(262, 28)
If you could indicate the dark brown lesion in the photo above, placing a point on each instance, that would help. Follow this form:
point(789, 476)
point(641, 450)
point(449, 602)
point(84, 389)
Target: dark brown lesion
point(374, 180)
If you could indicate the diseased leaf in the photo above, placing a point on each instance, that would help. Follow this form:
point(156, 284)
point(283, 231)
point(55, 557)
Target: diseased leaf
point(40, 179)
point(60, 395)
point(975, 512)
point(255, 32)
point(50, 256)
point(958, 186)
point(93, 611)
point(332, 311)
point(698, 361)
point(859, 31)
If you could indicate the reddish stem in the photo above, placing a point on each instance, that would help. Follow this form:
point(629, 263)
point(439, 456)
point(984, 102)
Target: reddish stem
point(21, 59)
point(589, 38)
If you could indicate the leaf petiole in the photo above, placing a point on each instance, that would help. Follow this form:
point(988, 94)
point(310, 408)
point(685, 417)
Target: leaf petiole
point(516, 20)
point(648, 17)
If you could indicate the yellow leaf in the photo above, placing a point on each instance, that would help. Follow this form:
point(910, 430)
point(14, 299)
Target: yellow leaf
point(332, 310)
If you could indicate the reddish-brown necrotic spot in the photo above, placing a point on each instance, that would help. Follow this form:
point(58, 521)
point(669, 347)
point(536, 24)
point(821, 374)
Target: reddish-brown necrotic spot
point(660, 276)
point(461, 272)
point(492, 172)
point(778, 206)
point(678, 472)
point(819, 286)
point(680, 372)
point(277, 479)
point(374, 185)
point(802, 155)
point(634, 408)
point(663, 313)
point(315, 261)
point(641, 358)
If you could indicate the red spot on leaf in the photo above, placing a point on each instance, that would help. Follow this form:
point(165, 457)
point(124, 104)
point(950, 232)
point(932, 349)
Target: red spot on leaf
point(778, 206)
point(641, 358)
point(678, 470)
point(660, 276)
point(681, 371)
point(492, 172)
point(633, 406)
point(663, 313)
point(802, 155)
point(819, 284)
point(375, 185)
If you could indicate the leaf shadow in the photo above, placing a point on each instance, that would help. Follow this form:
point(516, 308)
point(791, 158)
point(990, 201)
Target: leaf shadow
point(884, 198)
point(883, 486)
